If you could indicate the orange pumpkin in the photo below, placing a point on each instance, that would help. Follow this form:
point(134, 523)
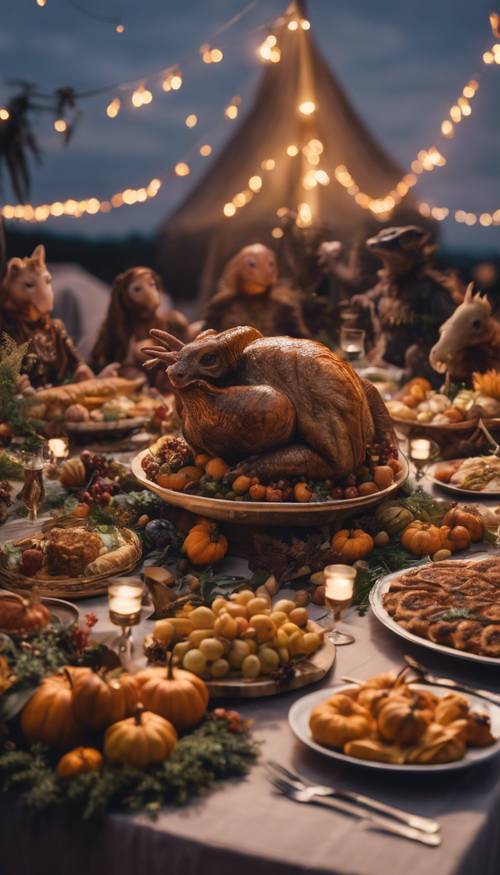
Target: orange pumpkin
point(401, 721)
point(174, 480)
point(421, 539)
point(22, 616)
point(456, 538)
point(460, 516)
point(175, 694)
point(140, 740)
point(368, 488)
point(352, 544)
point(241, 484)
point(257, 492)
point(302, 492)
point(49, 716)
point(73, 474)
point(204, 545)
point(102, 698)
point(79, 761)
point(216, 468)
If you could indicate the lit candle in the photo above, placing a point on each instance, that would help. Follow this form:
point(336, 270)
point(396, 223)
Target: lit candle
point(124, 599)
point(59, 447)
point(420, 449)
point(339, 582)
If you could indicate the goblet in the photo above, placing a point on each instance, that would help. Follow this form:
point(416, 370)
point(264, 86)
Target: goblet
point(339, 591)
point(124, 600)
point(352, 344)
point(33, 491)
point(421, 452)
point(59, 449)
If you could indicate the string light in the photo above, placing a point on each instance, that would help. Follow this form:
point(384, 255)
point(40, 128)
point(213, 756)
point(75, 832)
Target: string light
point(277, 233)
point(41, 3)
point(173, 81)
point(305, 24)
point(232, 109)
point(182, 169)
point(229, 209)
point(191, 120)
point(113, 108)
point(465, 217)
point(205, 150)
point(4, 114)
point(210, 55)
point(269, 50)
point(141, 96)
point(255, 183)
point(293, 24)
point(307, 107)
point(120, 28)
point(60, 125)
point(76, 208)
point(292, 150)
point(268, 164)
point(304, 216)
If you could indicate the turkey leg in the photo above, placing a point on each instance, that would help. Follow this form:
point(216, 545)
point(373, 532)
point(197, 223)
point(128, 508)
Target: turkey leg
point(296, 460)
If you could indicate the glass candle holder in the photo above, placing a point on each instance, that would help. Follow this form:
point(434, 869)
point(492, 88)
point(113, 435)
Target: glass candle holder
point(339, 592)
point(352, 344)
point(58, 449)
point(124, 602)
point(421, 452)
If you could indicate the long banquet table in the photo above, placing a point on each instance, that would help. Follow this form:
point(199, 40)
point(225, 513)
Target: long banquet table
point(244, 826)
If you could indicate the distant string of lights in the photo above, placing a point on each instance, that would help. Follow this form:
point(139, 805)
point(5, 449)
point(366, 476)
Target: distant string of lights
point(310, 153)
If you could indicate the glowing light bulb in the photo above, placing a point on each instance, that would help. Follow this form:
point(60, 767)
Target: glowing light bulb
point(447, 129)
point(322, 177)
point(255, 183)
point(41, 3)
point(485, 219)
point(268, 164)
point(240, 199)
point(277, 233)
point(113, 108)
point(304, 215)
point(191, 120)
point(172, 82)
point(4, 114)
point(182, 169)
point(468, 91)
point(455, 113)
point(293, 25)
point(307, 107)
point(229, 209)
point(488, 58)
point(305, 24)
point(205, 150)
point(60, 125)
point(120, 28)
point(292, 151)
point(231, 111)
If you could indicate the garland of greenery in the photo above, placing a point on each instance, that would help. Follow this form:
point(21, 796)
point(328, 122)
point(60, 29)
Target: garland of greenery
point(221, 747)
point(210, 753)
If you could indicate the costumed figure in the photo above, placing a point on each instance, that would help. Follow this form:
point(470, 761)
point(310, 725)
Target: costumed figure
point(410, 300)
point(274, 406)
point(26, 302)
point(134, 309)
point(251, 294)
point(469, 341)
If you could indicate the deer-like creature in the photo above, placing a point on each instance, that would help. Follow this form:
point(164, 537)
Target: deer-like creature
point(468, 341)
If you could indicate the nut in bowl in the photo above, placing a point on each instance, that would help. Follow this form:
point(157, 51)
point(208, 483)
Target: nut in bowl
point(391, 723)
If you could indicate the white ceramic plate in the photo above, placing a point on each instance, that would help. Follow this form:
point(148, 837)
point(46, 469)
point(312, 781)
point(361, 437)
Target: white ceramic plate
point(452, 487)
point(381, 614)
point(298, 718)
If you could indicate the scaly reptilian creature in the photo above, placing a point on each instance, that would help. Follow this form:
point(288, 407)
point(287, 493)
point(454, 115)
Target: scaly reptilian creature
point(274, 406)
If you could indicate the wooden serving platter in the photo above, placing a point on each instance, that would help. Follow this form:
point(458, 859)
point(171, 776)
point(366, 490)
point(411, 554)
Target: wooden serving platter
point(307, 672)
point(271, 513)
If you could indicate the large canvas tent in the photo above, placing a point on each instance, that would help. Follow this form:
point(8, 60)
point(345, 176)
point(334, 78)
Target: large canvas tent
point(197, 239)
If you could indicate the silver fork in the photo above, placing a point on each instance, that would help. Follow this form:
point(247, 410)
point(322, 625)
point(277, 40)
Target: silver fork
point(424, 824)
point(371, 821)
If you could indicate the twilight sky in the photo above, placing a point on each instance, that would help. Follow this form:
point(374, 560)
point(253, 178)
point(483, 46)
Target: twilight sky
point(402, 63)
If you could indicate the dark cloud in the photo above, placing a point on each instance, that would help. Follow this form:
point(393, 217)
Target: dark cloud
point(403, 65)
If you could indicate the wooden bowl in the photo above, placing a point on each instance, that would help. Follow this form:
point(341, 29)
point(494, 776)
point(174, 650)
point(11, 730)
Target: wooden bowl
point(272, 513)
